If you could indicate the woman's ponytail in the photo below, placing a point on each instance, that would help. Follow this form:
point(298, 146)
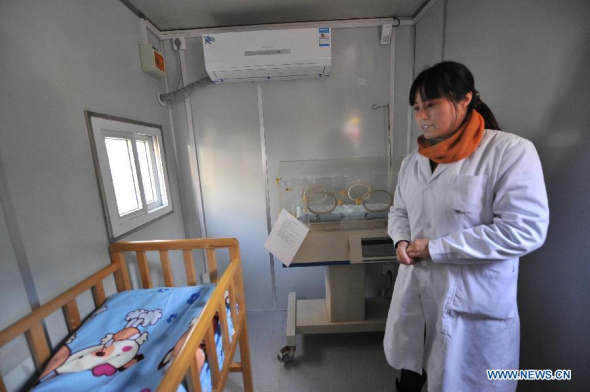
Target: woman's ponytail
point(485, 111)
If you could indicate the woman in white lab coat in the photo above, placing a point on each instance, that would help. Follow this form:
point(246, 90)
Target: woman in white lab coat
point(470, 201)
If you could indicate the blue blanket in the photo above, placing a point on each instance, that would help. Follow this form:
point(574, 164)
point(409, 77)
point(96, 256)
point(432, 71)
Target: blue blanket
point(130, 342)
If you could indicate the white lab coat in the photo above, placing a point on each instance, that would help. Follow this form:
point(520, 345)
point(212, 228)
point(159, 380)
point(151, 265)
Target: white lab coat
point(481, 214)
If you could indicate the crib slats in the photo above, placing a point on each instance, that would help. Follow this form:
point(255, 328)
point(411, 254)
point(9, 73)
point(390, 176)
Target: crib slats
point(244, 343)
point(212, 265)
point(121, 275)
point(166, 270)
point(2, 386)
point(212, 355)
point(245, 355)
point(232, 303)
point(224, 326)
point(39, 346)
point(144, 270)
point(189, 265)
point(235, 367)
point(98, 294)
point(72, 315)
point(193, 377)
point(27, 322)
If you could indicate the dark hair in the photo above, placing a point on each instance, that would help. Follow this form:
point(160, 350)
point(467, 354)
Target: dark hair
point(451, 80)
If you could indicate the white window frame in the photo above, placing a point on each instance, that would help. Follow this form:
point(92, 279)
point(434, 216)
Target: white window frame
point(102, 126)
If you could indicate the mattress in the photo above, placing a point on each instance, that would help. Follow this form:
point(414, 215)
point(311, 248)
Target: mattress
point(130, 342)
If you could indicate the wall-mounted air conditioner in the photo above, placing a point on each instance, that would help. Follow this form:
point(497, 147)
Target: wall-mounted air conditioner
point(268, 55)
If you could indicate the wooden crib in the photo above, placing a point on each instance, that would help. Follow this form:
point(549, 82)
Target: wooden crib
point(184, 367)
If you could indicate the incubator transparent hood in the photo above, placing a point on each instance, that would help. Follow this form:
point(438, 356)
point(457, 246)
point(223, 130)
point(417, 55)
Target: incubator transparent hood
point(339, 194)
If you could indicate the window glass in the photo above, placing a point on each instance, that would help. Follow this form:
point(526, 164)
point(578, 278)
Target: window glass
point(147, 170)
point(122, 166)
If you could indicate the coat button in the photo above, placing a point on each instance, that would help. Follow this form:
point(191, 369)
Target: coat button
point(424, 262)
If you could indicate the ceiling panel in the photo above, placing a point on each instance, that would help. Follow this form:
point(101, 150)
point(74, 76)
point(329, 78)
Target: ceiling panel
point(194, 14)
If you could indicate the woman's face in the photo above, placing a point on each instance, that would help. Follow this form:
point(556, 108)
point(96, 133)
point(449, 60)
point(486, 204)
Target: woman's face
point(439, 118)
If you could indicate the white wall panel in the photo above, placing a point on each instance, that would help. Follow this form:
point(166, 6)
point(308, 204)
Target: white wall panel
point(60, 59)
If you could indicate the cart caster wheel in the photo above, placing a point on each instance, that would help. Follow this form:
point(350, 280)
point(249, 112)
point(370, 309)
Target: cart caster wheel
point(286, 354)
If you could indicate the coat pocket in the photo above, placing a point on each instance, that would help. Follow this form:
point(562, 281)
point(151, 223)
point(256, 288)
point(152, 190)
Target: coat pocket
point(487, 291)
point(466, 193)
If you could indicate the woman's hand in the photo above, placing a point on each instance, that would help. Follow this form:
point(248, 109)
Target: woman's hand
point(402, 256)
point(417, 249)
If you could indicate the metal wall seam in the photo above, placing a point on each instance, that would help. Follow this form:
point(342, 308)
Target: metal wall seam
point(17, 241)
point(411, 79)
point(266, 190)
point(423, 11)
point(391, 107)
point(194, 159)
point(444, 31)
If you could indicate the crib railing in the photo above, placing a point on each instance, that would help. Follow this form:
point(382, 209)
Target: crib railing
point(32, 325)
point(185, 363)
point(231, 282)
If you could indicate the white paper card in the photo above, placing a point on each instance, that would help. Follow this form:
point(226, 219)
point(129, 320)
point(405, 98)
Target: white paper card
point(286, 237)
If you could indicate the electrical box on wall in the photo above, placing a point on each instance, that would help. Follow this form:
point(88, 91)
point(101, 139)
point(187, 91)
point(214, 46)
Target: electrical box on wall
point(386, 31)
point(152, 61)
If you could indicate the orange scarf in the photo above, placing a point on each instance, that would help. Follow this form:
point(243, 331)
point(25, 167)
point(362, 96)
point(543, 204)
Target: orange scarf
point(460, 145)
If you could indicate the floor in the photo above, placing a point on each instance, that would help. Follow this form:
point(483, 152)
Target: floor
point(326, 362)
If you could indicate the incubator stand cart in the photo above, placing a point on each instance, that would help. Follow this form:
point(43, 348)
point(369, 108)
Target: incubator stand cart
point(345, 203)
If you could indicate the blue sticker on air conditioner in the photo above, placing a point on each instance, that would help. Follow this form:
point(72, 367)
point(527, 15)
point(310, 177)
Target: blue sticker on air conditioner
point(324, 33)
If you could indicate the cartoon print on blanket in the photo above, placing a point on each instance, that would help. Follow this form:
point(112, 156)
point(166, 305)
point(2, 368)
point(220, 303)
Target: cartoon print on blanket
point(129, 342)
point(174, 351)
point(116, 351)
